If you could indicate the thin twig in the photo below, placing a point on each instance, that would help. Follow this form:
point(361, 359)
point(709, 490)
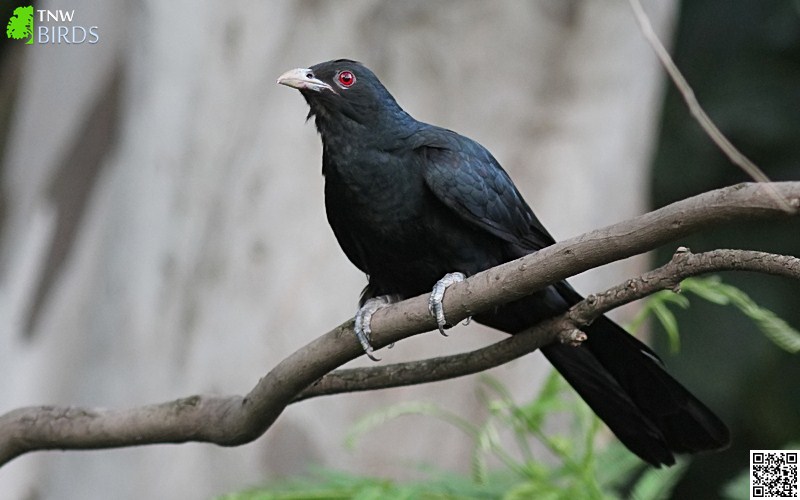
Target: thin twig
point(710, 128)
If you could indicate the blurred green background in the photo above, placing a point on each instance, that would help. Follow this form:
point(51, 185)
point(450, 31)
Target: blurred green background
point(743, 60)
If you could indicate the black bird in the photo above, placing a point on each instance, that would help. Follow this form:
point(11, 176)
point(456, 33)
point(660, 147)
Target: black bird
point(410, 202)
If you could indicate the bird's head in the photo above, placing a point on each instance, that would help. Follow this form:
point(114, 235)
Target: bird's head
point(345, 94)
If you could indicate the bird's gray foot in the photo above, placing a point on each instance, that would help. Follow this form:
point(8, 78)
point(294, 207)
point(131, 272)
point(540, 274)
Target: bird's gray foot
point(437, 294)
point(363, 319)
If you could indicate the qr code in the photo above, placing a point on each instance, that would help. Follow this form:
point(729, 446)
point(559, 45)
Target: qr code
point(773, 474)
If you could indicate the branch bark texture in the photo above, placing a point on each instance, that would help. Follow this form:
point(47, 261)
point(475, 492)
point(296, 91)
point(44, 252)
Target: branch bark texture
point(234, 420)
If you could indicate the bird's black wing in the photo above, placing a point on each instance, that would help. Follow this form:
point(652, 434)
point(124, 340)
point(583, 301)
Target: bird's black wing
point(619, 377)
point(464, 176)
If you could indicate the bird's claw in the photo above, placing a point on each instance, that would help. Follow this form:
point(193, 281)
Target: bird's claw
point(437, 294)
point(362, 323)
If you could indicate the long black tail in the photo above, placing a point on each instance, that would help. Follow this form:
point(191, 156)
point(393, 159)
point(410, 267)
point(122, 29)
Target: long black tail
point(623, 381)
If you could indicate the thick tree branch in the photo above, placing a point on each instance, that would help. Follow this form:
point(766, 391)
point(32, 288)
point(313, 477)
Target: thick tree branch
point(236, 420)
point(684, 264)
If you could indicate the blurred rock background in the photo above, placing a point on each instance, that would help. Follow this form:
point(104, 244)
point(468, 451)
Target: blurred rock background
point(163, 228)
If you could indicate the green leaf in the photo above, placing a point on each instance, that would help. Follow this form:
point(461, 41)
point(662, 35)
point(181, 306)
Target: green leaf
point(547, 401)
point(657, 300)
point(773, 327)
point(527, 491)
point(670, 324)
point(380, 417)
point(670, 297)
point(709, 288)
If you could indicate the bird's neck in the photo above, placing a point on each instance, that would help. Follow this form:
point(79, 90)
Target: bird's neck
point(382, 128)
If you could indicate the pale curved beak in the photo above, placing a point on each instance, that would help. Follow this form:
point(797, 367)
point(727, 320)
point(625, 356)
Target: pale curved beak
point(302, 78)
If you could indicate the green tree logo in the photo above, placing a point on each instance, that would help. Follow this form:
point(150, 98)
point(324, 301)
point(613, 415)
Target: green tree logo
point(20, 25)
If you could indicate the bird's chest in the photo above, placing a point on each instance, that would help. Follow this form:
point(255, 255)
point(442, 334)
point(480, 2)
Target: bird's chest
point(380, 212)
point(378, 194)
point(392, 227)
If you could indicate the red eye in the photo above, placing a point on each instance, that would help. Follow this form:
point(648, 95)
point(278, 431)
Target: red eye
point(346, 78)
